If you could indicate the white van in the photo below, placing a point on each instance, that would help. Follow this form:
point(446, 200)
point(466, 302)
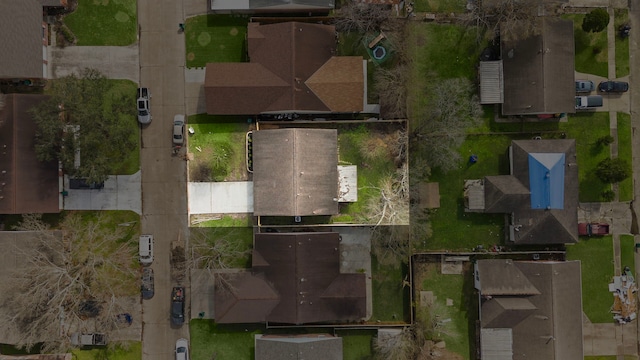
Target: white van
point(146, 249)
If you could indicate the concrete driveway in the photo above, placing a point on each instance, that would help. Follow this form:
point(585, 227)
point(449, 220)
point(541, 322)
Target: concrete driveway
point(120, 192)
point(115, 62)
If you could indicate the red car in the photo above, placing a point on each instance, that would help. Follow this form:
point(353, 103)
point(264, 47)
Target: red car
point(593, 229)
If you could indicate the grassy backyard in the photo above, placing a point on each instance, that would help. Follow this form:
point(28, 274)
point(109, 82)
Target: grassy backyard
point(215, 38)
point(389, 296)
point(443, 6)
point(591, 48)
point(596, 257)
point(356, 344)
point(625, 188)
point(222, 342)
point(104, 22)
point(218, 145)
point(621, 17)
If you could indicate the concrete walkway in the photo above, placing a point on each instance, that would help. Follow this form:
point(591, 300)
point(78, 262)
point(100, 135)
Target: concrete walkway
point(120, 192)
point(114, 62)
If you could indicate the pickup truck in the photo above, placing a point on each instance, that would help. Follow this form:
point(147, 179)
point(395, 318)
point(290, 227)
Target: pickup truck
point(593, 229)
point(80, 339)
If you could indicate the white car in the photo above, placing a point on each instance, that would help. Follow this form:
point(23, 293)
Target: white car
point(145, 248)
point(182, 349)
point(144, 114)
point(178, 130)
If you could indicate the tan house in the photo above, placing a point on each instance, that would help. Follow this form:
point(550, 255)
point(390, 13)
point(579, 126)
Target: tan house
point(292, 68)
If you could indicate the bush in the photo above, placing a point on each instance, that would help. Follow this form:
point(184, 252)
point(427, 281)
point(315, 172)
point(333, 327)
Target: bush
point(613, 170)
point(608, 195)
point(605, 140)
point(596, 21)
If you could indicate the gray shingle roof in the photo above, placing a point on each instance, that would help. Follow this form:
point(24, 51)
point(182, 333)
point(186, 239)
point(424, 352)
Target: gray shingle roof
point(21, 40)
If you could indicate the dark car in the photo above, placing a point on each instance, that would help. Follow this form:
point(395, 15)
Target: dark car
point(147, 287)
point(177, 306)
point(83, 184)
point(613, 86)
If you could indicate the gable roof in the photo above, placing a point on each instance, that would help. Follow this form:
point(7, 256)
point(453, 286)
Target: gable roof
point(541, 192)
point(547, 325)
point(21, 44)
point(288, 54)
point(539, 71)
point(298, 347)
point(303, 269)
point(295, 172)
point(29, 186)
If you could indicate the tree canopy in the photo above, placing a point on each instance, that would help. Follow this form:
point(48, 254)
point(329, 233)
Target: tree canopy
point(88, 116)
point(596, 20)
point(613, 170)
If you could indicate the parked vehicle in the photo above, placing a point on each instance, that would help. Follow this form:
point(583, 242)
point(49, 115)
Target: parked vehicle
point(79, 339)
point(588, 102)
point(145, 248)
point(177, 306)
point(613, 86)
point(147, 287)
point(182, 349)
point(593, 229)
point(584, 86)
point(83, 184)
point(144, 114)
point(178, 130)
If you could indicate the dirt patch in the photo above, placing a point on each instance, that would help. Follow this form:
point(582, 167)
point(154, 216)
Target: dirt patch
point(233, 31)
point(191, 56)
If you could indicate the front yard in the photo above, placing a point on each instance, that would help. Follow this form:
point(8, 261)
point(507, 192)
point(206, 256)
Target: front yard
point(104, 22)
point(591, 48)
point(215, 38)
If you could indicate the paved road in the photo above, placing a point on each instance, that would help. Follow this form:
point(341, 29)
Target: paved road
point(164, 203)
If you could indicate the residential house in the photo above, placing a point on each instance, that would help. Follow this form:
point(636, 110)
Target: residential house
point(26, 184)
point(292, 69)
point(535, 75)
point(295, 172)
point(540, 194)
point(23, 45)
point(271, 6)
point(529, 309)
point(295, 279)
point(294, 347)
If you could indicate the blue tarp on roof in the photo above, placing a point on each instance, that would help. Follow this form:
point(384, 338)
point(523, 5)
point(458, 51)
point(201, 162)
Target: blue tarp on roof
point(546, 180)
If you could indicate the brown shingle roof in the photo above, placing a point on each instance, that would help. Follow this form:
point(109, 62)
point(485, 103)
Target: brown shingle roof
point(304, 270)
point(292, 52)
point(339, 83)
point(539, 71)
point(28, 186)
point(21, 40)
point(295, 172)
point(544, 326)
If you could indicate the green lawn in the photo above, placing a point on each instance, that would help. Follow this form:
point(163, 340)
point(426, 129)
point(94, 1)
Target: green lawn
point(453, 228)
point(627, 252)
point(596, 256)
point(356, 344)
point(457, 334)
point(218, 145)
point(222, 342)
point(129, 351)
point(625, 189)
point(215, 38)
point(591, 48)
point(235, 220)
point(443, 6)
point(104, 22)
point(130, 164)
point(241, 236)
point(621, 16)
point(586, 128)
point(388, 294)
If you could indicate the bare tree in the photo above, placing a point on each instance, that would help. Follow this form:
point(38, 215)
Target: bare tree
point(390, 85)
point(513, 19)
point(405, 345)
point(361, 17)
point(439, 129)
point(69, 277)
point(392, 207)
point(216, 249)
